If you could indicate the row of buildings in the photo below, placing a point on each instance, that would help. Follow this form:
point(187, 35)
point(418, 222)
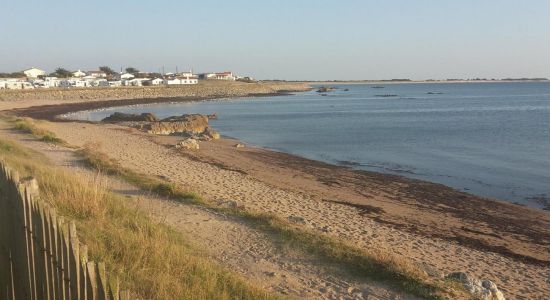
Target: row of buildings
point(36, 78)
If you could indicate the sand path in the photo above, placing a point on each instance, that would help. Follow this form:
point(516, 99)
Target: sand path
point(136, 151)
point(244, 250)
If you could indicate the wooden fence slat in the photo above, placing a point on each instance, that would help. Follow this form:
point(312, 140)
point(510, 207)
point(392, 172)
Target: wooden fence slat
point(74, 262)
point(4, 235)
point(60, 259)
point(55, 255)
point(114, 288)
point(91, 289)
point(83, 273)
point(48, 250)
point(21, 264)
point(103, 285)
point(40, 254)
point(29, 192)
point(37, 253)
point(45, 270)
point(66, 269)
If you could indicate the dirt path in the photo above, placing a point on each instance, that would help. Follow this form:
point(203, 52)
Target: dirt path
point(137, 151)
point(244, 250)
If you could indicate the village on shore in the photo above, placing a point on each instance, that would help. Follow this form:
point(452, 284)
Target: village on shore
point(106, 77)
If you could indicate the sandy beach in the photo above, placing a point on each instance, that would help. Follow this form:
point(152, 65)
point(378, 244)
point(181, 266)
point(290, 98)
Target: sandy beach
point(440, 229)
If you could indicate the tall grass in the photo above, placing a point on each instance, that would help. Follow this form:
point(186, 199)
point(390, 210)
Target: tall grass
point(29, 125)
point(152, 260)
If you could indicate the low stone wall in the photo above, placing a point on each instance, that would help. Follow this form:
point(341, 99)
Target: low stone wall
point(203, 89)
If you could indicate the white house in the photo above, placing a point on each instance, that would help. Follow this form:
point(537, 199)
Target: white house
point(156, 81)
point(79, 74)
point(97, 74)
point(17, 84)
point(225, 76)
point(182, 80)
point(135, 81)
point(125, 76)
point(34, 72)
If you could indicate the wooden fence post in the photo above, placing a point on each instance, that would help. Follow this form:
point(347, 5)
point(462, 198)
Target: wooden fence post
point(40, 254)
point(74, 261)
point(92, 293)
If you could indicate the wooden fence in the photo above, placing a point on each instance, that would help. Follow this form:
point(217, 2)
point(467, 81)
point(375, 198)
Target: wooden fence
point(40, 254)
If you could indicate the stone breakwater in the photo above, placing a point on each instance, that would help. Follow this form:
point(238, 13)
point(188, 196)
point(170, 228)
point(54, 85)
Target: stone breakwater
point(205, 89)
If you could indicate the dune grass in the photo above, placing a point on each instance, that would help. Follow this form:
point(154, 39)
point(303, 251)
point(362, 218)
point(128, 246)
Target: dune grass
point(30, 126)
point(151, 260)
point(375, 264)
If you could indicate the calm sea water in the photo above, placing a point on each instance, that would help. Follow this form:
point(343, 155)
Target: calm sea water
point(490, 139)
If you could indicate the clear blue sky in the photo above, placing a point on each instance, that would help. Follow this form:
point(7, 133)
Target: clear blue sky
point(296, 39)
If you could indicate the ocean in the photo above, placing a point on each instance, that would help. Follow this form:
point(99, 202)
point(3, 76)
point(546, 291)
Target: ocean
point(488, 139)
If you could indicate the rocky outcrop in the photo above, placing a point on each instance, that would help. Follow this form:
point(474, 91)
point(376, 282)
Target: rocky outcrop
point(482, 289)
point(188, 144)
point(193, 126)
point(122, 117)
point(325, 89)
point(211, 133)
point(188, 124)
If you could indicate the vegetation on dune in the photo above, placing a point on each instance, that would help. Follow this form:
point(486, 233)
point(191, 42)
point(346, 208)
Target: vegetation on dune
point(152, 260)
point(29, 125)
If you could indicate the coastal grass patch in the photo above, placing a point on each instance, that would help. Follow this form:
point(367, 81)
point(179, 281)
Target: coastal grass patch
point(30, 126)
point(102, 162)
point(151, 259)
point(376, 264)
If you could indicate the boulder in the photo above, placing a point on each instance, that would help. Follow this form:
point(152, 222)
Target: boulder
point(485, 290)
point(239, 145)
point(190, 124)
point(122, 117)
point(211, 133)
point(325, 89)
point(188, 144)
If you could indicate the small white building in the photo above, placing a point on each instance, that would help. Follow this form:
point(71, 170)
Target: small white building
point(115, 83)
point(18, 84)
point(47, 82)
point(225, 76)
point(97, 74)
point(125, 76)
point(79, 74)
point(182, 80)
point(156, 81)
point(135, 81)
point(74, 83)
point(34, 72)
